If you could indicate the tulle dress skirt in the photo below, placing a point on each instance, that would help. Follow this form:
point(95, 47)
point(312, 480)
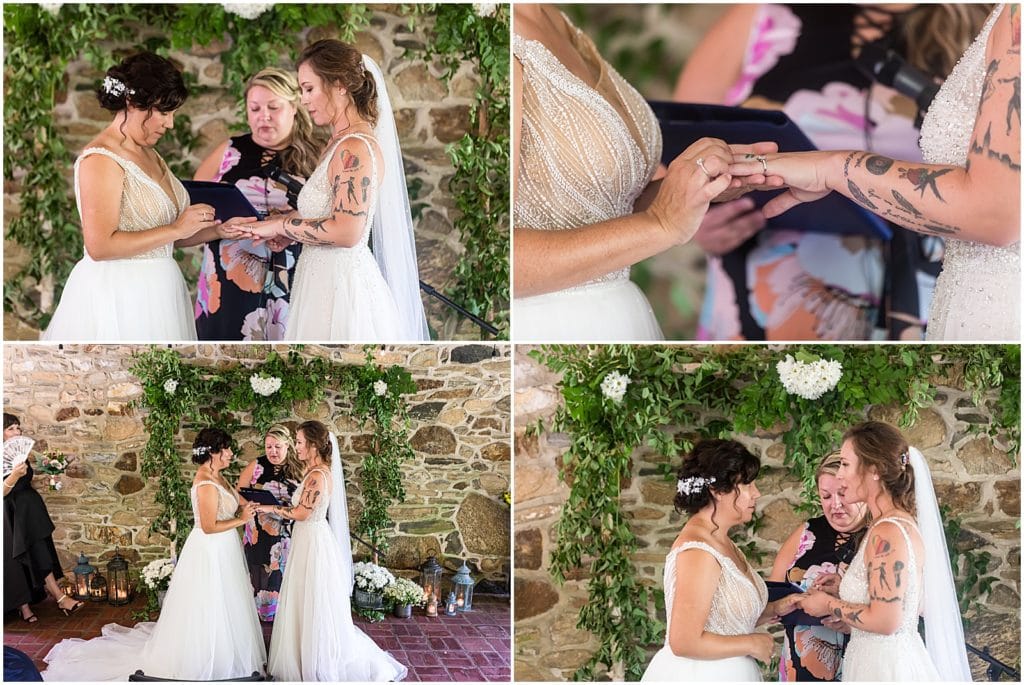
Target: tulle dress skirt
point(123, 299)
point(314, 638)
point(898, 658)
point(207, 630)
point(340, 294)
point(667, 667)
point(611, 311)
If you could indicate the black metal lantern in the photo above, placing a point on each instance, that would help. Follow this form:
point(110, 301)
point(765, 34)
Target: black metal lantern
point(118, 590)
point(430, 578)
point(98, 588)
point(462, 585)
point(84, 572)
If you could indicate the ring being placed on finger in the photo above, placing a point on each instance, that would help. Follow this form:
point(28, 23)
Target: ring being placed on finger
point(764, 163)
point(700, 165)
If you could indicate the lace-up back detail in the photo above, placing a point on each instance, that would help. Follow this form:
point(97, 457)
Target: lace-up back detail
point(854, 587)
point(316, 200)
point(586, 153)
point(320, 508)
point(737, 603)
point(144, 204)
point(227, 503)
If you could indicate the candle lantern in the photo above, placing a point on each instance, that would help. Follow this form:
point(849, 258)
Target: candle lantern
point(449, 606)
point(462, 585)
point(430, 579)
point(431, 609)
point(66, 587)
point(84, 572)
point(118, 591)
point(98, 588)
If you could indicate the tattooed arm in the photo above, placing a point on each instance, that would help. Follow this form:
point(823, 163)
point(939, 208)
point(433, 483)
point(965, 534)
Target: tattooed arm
point(979, 202)
point(886, 558)
point(314, 489)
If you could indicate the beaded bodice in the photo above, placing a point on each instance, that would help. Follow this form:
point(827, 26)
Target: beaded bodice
point(320, 508)
point(317, 197)
point(737, 603)
point(945, 139)
point(586, 153)
point(227, 503)
point(144, 204)
point(854, 586)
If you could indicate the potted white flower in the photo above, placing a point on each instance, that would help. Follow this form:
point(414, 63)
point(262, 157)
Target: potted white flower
point(402, 595)
point(370, 582)
point(156, 576)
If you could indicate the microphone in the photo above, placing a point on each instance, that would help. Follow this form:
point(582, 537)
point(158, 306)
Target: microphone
point(293, 184)
point(887, 67)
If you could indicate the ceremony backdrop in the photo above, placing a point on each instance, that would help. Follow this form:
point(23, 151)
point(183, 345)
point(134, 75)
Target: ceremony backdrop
point(84, 401)
point(446, 68)
point(607, 459)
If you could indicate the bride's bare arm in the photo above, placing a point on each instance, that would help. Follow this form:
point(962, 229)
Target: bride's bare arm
point(209, 500)
point(979, 202)
point(100, 185)
point(313, 490)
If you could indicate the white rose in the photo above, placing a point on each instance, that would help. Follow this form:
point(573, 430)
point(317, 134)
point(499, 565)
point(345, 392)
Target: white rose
point(485, 9)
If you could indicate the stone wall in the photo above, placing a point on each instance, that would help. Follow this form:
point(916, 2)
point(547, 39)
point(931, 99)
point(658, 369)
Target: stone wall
point(429, 114)
point(978, 481)
point(79, 400)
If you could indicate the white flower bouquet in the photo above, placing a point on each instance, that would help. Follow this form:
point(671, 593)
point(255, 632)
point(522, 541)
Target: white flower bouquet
point(404, 592)
point(264, 385)
point(808, 376)
point(370, 577)
point(156, 575)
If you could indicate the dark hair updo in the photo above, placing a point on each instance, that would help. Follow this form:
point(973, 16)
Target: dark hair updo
point(880, 445)
point(10, 420)
point(727, 461)
point(208, 441)
point(145, 81)
point(316, 434)
point(340, 63)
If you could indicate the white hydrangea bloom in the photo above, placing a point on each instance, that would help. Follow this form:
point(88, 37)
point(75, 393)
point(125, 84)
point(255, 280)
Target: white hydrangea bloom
point(170, 385)
point(52, 7)
point(614, 386)
point(485, 9)
point(809, 380)
point(371, 577)
point(381, 388)
point(247, 10)
point(264, 385)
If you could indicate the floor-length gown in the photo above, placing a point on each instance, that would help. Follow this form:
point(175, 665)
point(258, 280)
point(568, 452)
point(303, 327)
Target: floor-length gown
point(140, 298)
point(738, 602)
point(29, 552)
point(977, 295)
point(207, 630)
point(314, 637)
point(586, 154)
point(339, 292)
point(898, 657)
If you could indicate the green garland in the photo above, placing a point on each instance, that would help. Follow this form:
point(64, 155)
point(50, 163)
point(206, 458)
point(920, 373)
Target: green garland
point(41, 44)
point(717, 392)
point(181, 393)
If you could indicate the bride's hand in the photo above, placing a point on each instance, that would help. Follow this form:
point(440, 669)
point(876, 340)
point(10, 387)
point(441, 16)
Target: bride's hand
point(786, 605)
point(838, 625)
point(828, 582)
point(762, 646)
point(806, 174)
point(194, 219)
point(814, 602)
point(237, 228)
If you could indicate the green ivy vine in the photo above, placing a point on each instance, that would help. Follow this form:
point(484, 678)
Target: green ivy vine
point(41, 43)
point(179, 392)
point(680, 394)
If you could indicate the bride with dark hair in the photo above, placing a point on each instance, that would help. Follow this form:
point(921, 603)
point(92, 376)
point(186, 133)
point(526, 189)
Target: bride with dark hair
point(714, 600)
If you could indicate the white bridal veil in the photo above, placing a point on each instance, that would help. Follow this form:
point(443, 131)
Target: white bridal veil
point(394, 245)
point(337, 514)
point(944, 633)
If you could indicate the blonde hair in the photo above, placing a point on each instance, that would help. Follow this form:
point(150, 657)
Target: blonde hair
point(292, 466)
point(306, 140)
point(829, 465)
point(936, 35)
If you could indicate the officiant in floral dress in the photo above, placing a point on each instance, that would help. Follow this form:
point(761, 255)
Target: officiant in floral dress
point(268, 536)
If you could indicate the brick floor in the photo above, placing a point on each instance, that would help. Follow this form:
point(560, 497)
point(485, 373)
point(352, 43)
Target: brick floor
point(474, 646)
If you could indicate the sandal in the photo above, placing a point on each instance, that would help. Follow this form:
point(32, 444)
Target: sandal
point(74, 607)
point(31, 618)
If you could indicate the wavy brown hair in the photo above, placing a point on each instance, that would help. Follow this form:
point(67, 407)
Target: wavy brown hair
point(880, 445)
point(340, 63)
point(936, 35)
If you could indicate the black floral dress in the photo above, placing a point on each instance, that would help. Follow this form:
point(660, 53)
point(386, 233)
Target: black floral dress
point(29, 553)
point(243, 288)
point(267, 539)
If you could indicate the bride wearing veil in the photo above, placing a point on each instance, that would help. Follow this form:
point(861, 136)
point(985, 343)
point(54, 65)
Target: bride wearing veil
point(314, 637)
point(342, 290)
point(901, 570)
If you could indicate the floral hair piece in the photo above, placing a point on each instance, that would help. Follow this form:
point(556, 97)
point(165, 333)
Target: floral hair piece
point(692, 484)
point(115, 86)
point(200, 451)
point(904, 458)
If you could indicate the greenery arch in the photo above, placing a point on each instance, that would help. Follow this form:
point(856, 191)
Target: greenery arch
point(41, 40)
point(177, 391)
point(714, 392)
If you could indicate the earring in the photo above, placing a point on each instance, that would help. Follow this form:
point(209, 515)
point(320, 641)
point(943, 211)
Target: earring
point(876, 477)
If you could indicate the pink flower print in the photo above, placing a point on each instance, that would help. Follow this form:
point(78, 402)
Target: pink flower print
point(265, 195)
point(266, 323)
point(279, 555)
point(806, 542)
point(775, 31)
point(229, 160)
point(251, 534)
point(257, 472)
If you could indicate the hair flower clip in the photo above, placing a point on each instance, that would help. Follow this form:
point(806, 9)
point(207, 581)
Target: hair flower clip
point(692, 484)
point(200, 451)
point(116, 87)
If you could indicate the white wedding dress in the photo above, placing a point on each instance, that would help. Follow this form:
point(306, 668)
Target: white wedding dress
point(977, 295)
point(738, 602)
point(140, 298)
point(314, 637)
point(586, 154)
point(339, 292)
point(207, 630)
point(898, 657)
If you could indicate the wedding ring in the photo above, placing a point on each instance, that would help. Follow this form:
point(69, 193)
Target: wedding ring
point(700, 165)
point(764, 163)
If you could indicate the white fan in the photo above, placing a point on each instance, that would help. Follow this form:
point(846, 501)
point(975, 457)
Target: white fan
point(16, 451)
